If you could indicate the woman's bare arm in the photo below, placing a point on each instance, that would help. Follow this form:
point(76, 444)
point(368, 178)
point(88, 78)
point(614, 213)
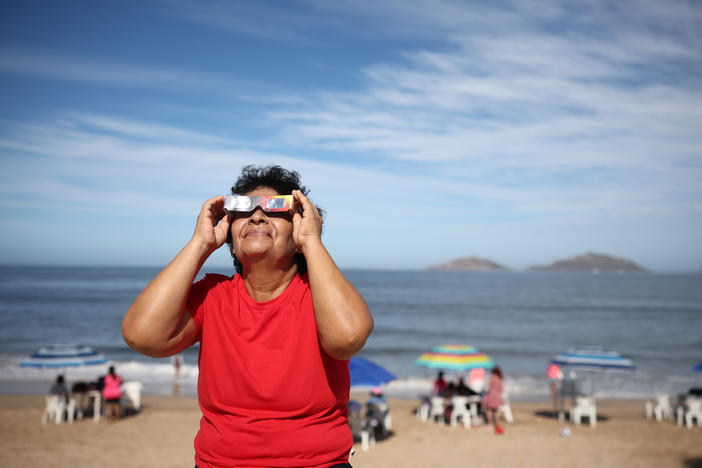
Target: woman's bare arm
point(343, 319)
point(156, 323)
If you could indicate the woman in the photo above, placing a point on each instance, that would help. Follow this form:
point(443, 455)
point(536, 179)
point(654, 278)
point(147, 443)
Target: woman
point(274, 338)
point(493, 398)
point(111, 393)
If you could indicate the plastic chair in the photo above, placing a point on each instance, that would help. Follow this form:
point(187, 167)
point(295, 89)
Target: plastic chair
point(358, 425)
point(661, 409)
point(506, 409)
point(423, 410)
point(692, 410)
point(460, 410)
point(55, 408)
point(437, 408)
point(379, 420)
point(131, 394)
point(584, 406)
point(52, 410)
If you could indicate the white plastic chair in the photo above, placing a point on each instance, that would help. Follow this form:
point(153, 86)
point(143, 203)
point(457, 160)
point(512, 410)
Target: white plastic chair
point(661, 409)
point(131, 393)
point(460, 410)
point(53, 410)
point(692, 410)
point(359, 427)
point(387, 420)
point(584, 406)
point(437, 408)
point(506, 409)
point(56, 407)
point(423, 410)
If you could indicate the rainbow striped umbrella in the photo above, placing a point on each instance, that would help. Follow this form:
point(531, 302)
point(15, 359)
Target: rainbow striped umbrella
point(455, 357)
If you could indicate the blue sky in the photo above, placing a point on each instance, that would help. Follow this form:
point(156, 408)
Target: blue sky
point(523, 132)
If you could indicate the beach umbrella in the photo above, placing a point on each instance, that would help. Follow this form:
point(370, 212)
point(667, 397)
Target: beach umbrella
point(455, 357)
point(593, 359)
point(64, 355)
point(366, 373)
point(698, 367)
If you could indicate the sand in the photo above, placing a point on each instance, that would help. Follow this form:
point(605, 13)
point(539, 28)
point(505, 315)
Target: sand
point(162, 436)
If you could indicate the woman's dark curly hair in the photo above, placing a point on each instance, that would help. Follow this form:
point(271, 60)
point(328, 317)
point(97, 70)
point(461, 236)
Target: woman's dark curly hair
point(282, 181)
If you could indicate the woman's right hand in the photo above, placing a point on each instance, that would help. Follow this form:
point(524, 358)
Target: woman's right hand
point(212, 224)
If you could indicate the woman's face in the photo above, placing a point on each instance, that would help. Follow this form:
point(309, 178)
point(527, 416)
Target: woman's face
point(257, 234)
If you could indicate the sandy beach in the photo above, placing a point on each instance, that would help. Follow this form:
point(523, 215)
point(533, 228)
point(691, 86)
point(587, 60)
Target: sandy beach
point(162, 436)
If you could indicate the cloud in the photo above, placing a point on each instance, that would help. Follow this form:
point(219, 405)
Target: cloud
point(69, 67)
point(604, 91)
point(480, 128)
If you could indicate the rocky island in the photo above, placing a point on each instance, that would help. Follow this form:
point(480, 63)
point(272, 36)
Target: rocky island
point(470, 263)
point(591, 262)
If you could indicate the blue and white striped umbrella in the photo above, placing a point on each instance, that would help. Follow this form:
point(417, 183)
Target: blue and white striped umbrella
point(64, 355)
point(595, 359)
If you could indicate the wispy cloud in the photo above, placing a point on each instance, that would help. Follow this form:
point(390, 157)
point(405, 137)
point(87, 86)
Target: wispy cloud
point(91, 70)
point(483, 127)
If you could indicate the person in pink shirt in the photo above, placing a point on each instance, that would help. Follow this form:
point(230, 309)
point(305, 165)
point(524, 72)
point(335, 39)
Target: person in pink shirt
point(493, 397)
point(111, 393)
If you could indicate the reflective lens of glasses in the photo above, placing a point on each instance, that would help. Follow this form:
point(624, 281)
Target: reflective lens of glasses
point(271, 203)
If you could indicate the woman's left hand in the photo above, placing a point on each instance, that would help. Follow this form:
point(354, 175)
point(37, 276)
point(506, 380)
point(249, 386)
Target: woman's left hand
point(307, 228)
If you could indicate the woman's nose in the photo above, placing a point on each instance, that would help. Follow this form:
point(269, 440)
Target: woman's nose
point(258, 216)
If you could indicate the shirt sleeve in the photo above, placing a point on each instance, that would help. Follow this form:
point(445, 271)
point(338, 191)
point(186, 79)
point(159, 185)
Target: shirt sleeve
point(196, 304)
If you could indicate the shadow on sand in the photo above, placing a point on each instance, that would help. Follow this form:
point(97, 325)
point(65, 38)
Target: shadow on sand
point(549, 414)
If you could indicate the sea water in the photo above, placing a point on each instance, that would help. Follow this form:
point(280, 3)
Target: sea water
point(520, 319)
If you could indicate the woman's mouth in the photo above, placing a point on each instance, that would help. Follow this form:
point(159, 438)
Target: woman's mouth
point(257, 233)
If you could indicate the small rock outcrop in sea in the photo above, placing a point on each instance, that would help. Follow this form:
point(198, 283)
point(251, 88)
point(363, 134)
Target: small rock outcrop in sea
point(470, 263)
point(591, 262)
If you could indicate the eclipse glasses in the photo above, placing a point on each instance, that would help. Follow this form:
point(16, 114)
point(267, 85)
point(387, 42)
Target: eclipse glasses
point(269, 203)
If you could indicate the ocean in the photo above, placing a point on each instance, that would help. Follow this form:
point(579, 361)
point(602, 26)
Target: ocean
point(520, 319)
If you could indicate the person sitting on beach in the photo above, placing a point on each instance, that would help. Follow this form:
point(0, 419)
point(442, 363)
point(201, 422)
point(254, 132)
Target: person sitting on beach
point(376, 397)
point(439, 384)
point(111, 393)
point(493, 397)
point(448, 392)
point(464, 390)
point(59, 388)
point(376, 412)
point(275, 338)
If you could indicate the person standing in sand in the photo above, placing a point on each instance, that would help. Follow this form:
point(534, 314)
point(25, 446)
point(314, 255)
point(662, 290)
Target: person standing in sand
point(177, 364)
point(275, 338)
point(493, 397)
point(111, 393)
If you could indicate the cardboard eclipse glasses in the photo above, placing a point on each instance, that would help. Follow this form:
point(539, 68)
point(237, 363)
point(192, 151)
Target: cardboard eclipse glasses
point(268, 203)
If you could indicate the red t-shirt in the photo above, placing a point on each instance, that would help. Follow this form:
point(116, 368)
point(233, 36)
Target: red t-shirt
point(269, 394)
